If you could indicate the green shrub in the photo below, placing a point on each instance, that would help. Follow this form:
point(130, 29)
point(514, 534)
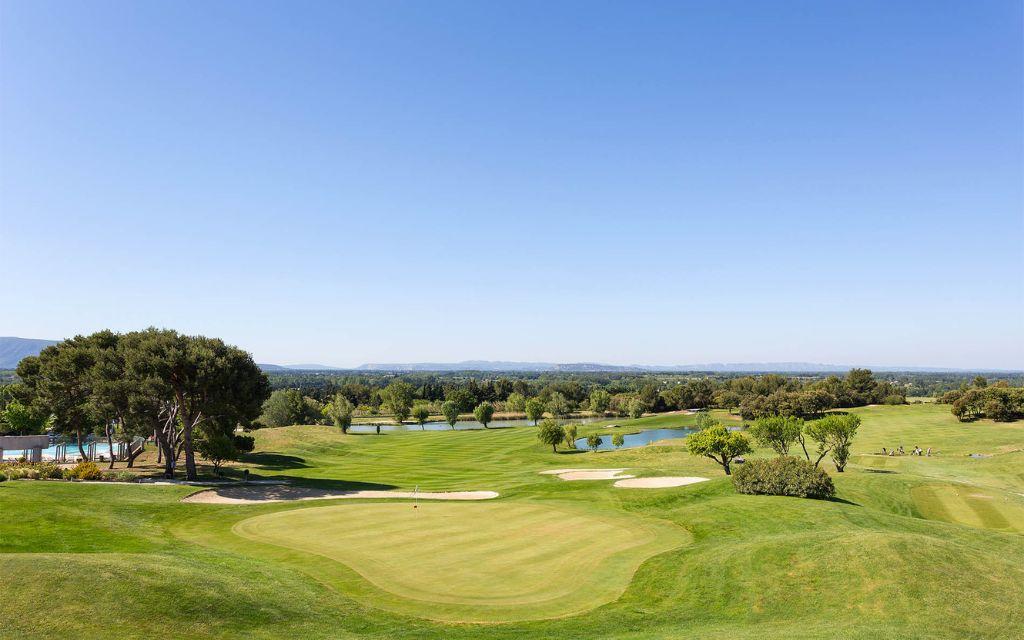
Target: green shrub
point(86, 471)
point(244, 444)
point(119, 476)
point(783, 476)
point(31, 470)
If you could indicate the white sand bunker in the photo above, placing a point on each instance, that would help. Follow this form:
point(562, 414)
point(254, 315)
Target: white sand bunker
point(659, 482)
point(586, 474)
point(259, 495)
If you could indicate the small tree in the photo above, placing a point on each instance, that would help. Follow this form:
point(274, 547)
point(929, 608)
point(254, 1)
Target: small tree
point(339, 410)
point(450, 409)
point(421, 413)
point(217, 448)
point(571, 432)
point(635, 408)
point(483, 413)
point(618, 440)
point(515, 402)
point(594, 441)
point(777, 432)
point(558, 405)
point(834, 434)
point(397, 399)
point(600, 400)
point(534, 410)
point(20, 419)
point(550, 432)
point(706, 420)
point(243, 443)
point(719, 444)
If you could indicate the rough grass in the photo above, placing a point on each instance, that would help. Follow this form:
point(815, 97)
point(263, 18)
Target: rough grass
point(889, 559)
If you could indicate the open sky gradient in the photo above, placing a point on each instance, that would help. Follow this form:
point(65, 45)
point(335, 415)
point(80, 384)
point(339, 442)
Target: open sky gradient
point(656, 183)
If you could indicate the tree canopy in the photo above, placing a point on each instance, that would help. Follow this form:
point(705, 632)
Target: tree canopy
point(719, 444)
point(550, 432)
point(483, 413)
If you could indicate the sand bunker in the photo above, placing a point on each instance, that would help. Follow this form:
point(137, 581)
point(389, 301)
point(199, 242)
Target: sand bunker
point(259, 495)
point(658, 483)
point(586, 474)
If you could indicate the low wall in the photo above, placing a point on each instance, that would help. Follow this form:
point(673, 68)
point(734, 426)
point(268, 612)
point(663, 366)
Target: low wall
point(14, 443)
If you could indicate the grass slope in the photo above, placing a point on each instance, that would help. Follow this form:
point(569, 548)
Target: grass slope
point(907, 538)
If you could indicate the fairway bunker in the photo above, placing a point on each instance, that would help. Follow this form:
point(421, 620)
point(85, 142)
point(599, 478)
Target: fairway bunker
point(260, 495)
point(587, 474)
point(661, 482)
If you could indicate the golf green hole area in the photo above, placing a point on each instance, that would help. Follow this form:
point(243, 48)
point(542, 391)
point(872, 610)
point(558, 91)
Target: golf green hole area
point(480, 562)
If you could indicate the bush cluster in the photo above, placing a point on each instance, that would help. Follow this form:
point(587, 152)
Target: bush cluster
point(53, 471)
point(86, 471)
point(29, 470)
point(783, 476)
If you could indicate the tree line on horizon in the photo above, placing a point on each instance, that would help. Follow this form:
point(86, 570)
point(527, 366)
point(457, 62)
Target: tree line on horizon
point(398, 396)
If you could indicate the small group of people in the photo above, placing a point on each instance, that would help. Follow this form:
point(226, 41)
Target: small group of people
point(917, 451)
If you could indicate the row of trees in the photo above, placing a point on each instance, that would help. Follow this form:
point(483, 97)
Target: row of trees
point(752, 396)
point(188, 392)
point(999, 402)
point(289, 406)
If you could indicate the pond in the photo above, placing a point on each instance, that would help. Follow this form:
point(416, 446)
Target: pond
point(636, 439)
point(461, 425)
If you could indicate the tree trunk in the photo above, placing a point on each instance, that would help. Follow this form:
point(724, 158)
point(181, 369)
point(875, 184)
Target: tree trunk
point(190, 455)
point(165, 447)
point(159, 449)
point(110, 446)
point(725, 465)
point(132, 454)
point(554, 448)
point(81, 449)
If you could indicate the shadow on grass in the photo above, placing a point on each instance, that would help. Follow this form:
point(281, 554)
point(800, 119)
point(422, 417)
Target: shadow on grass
point(275, 461)
point(844, 501)
point(335, 485)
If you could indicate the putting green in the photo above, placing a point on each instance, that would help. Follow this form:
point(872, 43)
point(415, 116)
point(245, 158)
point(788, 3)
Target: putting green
point(470, 562)
point(972, 506)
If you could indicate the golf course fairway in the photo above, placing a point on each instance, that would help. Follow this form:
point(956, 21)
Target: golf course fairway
point(472, 562)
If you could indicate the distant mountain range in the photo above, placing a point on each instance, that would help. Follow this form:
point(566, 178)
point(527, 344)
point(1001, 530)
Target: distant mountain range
point(581, 367)
point(298, 367)
point(12, 349)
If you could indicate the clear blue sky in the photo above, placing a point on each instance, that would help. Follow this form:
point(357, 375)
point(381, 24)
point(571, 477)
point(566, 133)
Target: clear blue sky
point(622, 182)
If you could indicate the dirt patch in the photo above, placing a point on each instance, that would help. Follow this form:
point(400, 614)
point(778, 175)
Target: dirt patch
point(259, 495)
point(659, 482)
point(587, 474)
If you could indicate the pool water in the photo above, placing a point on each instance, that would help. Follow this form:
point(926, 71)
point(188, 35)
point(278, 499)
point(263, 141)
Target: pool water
point(50, 452)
